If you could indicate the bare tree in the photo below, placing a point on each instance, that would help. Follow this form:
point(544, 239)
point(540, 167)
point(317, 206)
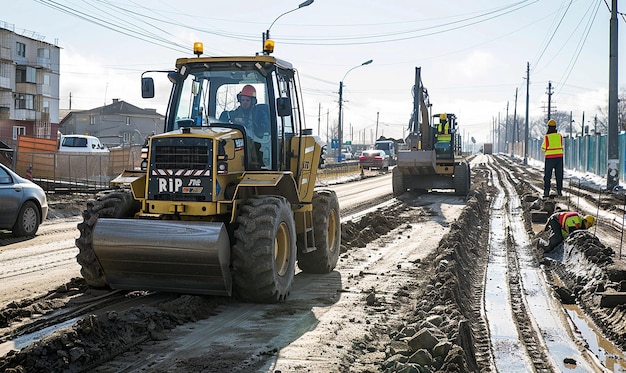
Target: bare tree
point(602, 122)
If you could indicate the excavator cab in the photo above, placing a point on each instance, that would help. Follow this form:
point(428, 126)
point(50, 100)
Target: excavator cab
point(445, 131)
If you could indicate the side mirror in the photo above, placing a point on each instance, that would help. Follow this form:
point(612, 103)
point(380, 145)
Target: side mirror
point(147, 87)
point(283, 106)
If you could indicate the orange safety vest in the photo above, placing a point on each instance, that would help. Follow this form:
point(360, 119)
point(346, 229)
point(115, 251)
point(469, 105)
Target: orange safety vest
point(569, 221)
point(553, 145)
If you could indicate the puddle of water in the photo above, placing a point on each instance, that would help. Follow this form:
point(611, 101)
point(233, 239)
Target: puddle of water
point(612, 358)
point(508, 352)
point(20, 342)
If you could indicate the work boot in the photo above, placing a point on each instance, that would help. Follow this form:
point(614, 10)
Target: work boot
point(558, 193)
point(546, 193)
point(542, 244)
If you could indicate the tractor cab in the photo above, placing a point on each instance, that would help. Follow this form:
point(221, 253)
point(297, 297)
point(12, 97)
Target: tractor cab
point(256, 95)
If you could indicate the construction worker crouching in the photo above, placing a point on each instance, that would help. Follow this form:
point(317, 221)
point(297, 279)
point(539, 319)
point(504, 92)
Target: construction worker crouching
point(561, 225)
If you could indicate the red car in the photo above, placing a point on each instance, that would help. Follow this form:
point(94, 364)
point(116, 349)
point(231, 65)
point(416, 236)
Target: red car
point(374, 159)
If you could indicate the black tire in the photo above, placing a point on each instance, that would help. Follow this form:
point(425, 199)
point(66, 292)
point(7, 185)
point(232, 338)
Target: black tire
point(327, 233)
point(397, 182)
point(264, 254)
point(27, 222)
point(462, 179)
point(108, 204)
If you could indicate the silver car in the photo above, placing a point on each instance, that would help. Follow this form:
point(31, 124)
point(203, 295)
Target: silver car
point(23, 204)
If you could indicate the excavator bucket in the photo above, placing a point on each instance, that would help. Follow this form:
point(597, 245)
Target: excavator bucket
point(423, 161)
point(171, 256)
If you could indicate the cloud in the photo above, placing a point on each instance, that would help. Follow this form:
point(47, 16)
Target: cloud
point(476, 65)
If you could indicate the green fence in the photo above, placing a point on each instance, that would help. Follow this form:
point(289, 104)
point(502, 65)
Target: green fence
point(587, 154)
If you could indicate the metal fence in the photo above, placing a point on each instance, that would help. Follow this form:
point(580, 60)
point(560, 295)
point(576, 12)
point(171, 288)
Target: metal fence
point(587, 154)
point(81, 172)
point(76, 172)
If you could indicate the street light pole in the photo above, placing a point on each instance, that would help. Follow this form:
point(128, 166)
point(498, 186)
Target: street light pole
point(340, 119)
point(266, 34)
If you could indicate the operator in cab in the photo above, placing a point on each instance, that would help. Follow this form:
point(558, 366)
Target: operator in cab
point(256, 121)
point(255, 118)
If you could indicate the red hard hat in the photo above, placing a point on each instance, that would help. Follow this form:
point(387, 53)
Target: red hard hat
point(248, 90)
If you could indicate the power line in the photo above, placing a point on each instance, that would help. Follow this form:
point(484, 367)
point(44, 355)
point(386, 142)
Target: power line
point(579, 49)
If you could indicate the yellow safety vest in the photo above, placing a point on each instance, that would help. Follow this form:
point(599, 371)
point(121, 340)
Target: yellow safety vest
point(569, 221)
point(553, 145)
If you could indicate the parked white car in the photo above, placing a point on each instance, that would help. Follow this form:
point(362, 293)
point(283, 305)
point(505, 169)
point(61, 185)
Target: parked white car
point(81, 144)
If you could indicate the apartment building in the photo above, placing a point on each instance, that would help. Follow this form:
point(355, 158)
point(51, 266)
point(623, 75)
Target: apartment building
point(29, 85)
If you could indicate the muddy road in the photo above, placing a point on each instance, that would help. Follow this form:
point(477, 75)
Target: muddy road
point(432, 282)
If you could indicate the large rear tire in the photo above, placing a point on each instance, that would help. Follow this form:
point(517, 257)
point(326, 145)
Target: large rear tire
point(264, 254)
point(327, 233)
point(108, 204)
point(397, 182)
point(462, 179)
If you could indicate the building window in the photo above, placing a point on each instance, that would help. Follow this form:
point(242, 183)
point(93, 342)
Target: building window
point(92, 119)
point(25, 74)
point(127, 137)
point(128, 121)
point(20, 49)
point(24, 101)
point(18, 131)
point(43, 53)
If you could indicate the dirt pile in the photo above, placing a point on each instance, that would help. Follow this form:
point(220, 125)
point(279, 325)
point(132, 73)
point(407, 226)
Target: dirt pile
point(66, 205)
point(96, 338)
point(358, 233)
point(441, 330)
point(590, 277)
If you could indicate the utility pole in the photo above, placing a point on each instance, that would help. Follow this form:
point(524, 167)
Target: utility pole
point(571, 120)
point(549, 100)
point(319, 119)
point(377, 114)
point(582, 131)
point(327, 130)
point(612, 177)
point(499, 134)
point(506, 129)
point(526, 121)
point(339, 123)
point(515, 134)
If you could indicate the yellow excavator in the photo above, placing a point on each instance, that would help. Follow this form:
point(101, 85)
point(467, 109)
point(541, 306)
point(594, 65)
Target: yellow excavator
point(225, 202)
point(433, 159)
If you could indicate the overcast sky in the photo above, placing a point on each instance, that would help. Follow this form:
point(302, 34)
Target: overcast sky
point(472, 54)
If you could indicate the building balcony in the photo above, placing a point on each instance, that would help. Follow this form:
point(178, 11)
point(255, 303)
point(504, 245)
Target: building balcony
point(5, 54)
point(44, 62)
point(5, 83)
point(44, 90)
point(27, 88)
point(24, 114)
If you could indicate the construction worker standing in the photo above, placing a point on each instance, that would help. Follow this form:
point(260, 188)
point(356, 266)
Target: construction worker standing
point(552, 146)
point(561, 225)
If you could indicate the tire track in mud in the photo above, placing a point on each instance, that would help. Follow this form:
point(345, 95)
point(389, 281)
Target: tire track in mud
point(104, 329)
point(539, 319)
